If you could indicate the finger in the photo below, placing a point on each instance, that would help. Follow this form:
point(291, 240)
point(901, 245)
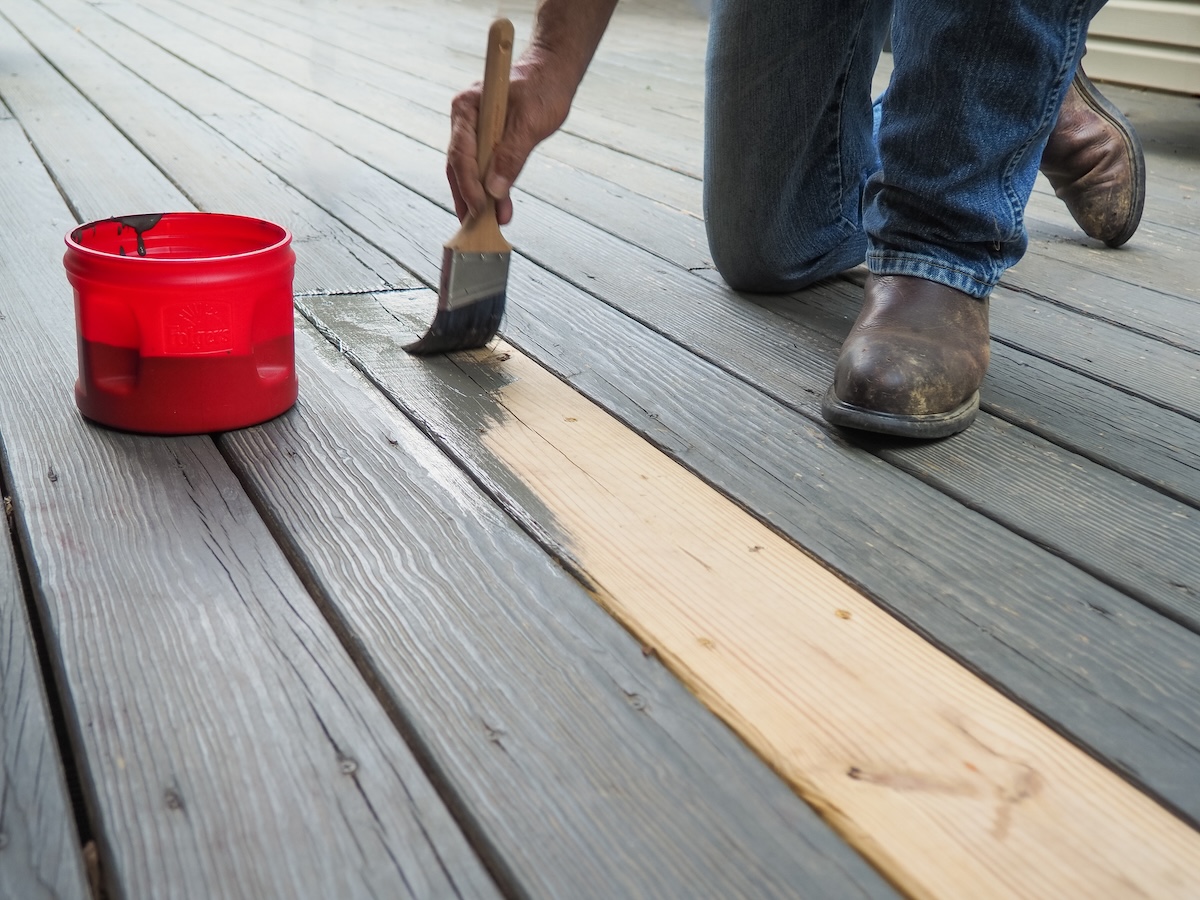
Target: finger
point(504, 210)
point(508, 159)
point(461, 157)
point(460, 205)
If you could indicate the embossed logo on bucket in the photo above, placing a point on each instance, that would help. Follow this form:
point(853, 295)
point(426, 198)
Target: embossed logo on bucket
point(191, 328)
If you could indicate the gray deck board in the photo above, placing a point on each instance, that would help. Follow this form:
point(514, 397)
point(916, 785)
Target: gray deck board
point(680, 239)
point(196, 670)
point(1102, 667)
point(40, 854)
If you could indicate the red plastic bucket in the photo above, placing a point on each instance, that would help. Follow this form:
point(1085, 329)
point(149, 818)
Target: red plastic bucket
point(184, 321)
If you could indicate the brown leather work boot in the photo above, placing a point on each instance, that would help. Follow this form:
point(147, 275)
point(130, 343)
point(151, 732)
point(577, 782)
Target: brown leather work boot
point(913, 361)
point(1095, 164)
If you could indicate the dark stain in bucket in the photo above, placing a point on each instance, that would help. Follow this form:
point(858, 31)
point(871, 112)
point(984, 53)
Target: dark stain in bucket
point(140, 225)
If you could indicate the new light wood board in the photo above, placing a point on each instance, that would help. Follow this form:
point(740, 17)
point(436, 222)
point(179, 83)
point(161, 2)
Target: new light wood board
point(373, 206)
point(584, 766)
point(950, 788)
point(1017, 635)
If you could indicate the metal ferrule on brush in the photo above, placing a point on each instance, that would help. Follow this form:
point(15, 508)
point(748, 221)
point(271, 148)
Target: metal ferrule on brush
point(471, 277)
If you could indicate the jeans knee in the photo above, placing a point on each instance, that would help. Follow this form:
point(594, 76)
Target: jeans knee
point(759, 258)
point(745, 265)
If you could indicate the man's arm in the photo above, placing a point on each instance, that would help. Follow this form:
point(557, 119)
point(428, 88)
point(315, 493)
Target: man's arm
point(542, 86)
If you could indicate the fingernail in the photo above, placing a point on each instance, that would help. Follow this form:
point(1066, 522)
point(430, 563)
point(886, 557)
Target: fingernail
point(497, 186)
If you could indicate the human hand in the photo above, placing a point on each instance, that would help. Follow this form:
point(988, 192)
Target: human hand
point(539, 98)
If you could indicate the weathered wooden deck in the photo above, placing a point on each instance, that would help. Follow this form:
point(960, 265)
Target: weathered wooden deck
point(603, 611)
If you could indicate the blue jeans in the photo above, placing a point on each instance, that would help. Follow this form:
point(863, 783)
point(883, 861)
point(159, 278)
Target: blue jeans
point(802, 179)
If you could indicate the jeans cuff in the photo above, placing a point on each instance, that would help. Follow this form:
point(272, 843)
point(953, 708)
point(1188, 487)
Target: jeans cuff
point(978, 285)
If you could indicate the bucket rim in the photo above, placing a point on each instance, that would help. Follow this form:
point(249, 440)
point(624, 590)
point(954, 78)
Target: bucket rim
point(73, 236)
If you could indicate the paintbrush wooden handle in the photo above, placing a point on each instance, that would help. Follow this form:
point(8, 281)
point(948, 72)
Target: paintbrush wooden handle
point(481, 233)
point(493, 105)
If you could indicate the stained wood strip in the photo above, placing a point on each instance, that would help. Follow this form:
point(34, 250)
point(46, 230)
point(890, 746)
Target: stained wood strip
point(196, 670)
point(584, 765)
point(1054, 637)
point(41, 854)
point(883, 732)
point(1133, 524)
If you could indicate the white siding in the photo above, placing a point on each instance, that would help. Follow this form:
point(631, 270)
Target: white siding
point(1150, 43)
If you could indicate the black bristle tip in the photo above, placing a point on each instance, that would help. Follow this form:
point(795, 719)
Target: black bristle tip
point(464, 328)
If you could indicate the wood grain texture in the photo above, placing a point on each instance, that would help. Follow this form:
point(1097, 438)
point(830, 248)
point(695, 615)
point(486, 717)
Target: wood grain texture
point(666, 552)
point(785, 358)
point(40, 855)
point(404, 65)
point(745, 833)
point(602, 118)
point(158, 126)
point(412, 106)
point(371, 204)
point(583, 765)
point(197, 672)
point(1016, 635)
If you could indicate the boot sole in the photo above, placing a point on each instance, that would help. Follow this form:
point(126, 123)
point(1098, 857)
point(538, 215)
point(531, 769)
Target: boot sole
point(928, 427)
point(1104, 108)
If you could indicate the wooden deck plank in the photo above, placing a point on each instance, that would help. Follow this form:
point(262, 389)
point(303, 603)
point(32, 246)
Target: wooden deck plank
point(365, 86)
point(365, 208)
point(196, 670)
point(40, 854)
point(586, 768)
point(677, 832)
point(668, 553)
point(763, 349)
point(410, 89)
point(637, 39)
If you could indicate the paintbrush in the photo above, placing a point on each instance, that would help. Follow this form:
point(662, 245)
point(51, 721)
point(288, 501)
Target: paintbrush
point(475, 260)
